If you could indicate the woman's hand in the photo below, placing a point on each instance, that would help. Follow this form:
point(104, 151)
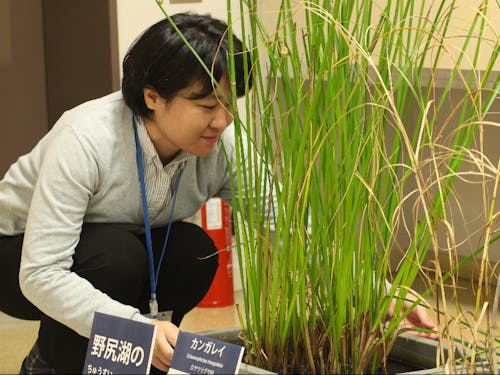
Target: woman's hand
point(166, 338)
point(418, 317)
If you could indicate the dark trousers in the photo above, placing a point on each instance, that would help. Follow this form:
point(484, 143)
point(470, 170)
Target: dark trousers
point(115, 261)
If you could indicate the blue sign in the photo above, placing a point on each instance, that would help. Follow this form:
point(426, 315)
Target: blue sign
point(197, 354)
point(119, 346)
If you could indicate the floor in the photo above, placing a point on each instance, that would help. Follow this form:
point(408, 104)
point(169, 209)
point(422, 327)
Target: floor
point(17, 336)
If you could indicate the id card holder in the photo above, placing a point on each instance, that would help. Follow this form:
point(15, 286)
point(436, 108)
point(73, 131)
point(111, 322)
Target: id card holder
point(165, 315)
point(162, 315)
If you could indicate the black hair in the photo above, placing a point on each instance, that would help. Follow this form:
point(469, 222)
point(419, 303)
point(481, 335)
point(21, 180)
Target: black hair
point(161, 60)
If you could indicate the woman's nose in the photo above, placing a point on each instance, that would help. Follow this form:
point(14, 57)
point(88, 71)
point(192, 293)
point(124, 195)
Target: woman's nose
point(223, 117)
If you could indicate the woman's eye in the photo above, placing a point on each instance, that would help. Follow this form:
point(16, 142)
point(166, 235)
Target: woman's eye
point(208, 106)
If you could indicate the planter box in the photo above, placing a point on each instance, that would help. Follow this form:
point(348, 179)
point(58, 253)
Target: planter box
point(415, 355)
point(411, 355)
point(418, 356)
point(232, 336)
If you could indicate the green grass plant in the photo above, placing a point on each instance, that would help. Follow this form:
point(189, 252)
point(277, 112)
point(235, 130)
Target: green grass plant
point(344, 125)
point(348, 152)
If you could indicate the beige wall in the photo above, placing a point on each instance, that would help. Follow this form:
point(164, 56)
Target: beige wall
point(135, 16)
point(463, 14)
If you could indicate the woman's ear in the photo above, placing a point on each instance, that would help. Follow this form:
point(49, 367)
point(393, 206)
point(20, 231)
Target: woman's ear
point(152, 98)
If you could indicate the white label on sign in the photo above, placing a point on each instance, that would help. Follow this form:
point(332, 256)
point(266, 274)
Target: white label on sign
point(214, 213)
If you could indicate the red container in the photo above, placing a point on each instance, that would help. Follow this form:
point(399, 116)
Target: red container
point(216, 221)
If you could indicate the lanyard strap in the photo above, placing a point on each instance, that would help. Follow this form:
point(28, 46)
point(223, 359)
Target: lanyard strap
point(153, 275)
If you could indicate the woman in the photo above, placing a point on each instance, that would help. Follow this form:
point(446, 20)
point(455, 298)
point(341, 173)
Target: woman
point(96, 202)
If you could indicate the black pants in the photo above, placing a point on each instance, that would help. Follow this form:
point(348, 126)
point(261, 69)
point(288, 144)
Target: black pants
point(115, 262)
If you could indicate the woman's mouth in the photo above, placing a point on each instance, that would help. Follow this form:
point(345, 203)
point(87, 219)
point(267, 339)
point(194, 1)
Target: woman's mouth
point(211, 139)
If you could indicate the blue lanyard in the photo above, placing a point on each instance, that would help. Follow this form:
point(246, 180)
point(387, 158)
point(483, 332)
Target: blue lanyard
point(153, 276)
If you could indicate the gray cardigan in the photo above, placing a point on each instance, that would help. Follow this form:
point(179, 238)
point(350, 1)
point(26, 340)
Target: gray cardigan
point(84, 170)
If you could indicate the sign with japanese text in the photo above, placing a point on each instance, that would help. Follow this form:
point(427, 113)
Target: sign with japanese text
point(119, 346)
point(197, 354)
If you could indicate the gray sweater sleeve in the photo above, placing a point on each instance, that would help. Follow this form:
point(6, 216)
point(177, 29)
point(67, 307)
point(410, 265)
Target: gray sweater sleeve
point(67, 179)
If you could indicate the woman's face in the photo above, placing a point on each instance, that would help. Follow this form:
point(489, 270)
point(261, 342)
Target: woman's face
point(187, 122)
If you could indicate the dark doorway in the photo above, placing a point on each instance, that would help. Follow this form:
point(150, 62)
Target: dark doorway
point(54, 54)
